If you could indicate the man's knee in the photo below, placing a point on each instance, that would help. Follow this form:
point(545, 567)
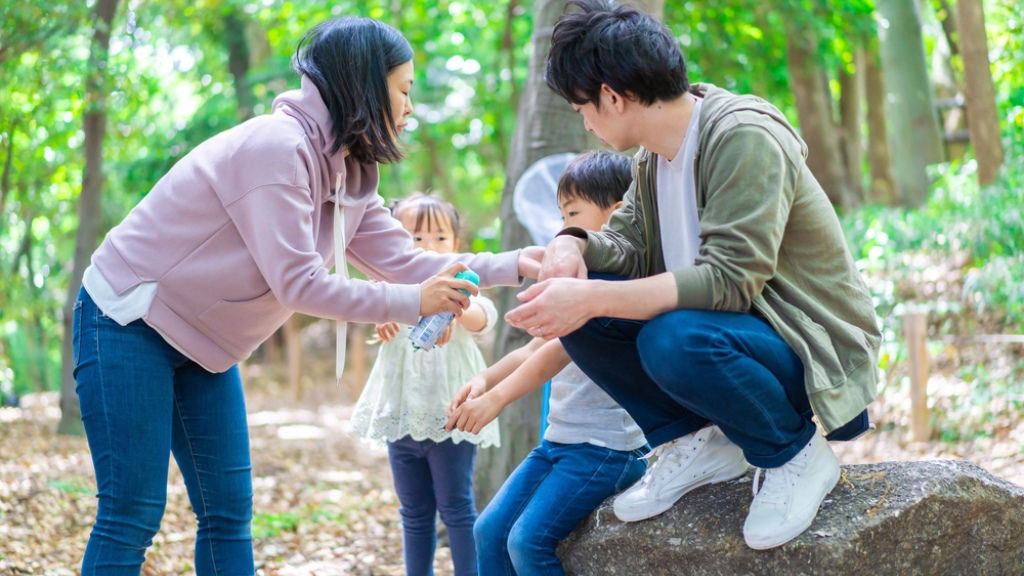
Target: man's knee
point(669, 344)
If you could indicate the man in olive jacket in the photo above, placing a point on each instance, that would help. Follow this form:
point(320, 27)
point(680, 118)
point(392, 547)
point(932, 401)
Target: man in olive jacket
point(738, 323)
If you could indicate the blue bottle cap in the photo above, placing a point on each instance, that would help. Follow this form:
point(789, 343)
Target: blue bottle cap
point(469, 275)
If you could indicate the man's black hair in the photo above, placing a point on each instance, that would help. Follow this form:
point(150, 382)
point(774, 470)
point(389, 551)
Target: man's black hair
point(599, 42)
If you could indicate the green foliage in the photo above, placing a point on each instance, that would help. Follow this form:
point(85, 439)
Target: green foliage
point(959, 259)
point(271, 525)
point(72, 486)
point(978, 233)
point(170, 88)
point(266, 526)
point(741, 45)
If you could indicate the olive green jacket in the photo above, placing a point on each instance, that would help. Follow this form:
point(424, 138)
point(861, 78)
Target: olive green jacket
point(769, 241)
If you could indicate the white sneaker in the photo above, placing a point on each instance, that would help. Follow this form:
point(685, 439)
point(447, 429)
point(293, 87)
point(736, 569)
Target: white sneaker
point(702, 457)
point(789, 499)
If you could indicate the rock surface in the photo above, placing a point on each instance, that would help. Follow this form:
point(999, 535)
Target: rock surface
point(907, 518)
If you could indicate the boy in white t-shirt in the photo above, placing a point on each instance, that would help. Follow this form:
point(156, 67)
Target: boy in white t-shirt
point(591, 448)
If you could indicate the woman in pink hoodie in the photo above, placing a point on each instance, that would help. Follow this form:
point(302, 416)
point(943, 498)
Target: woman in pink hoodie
point(238, 235)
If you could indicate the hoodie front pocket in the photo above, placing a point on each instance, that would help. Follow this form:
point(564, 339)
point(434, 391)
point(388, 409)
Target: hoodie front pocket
point(241, 325)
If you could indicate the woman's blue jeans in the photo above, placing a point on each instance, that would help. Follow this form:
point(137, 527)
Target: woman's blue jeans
point(685, 368)
point(142, 401)
point(543, 501)
point(434, 478)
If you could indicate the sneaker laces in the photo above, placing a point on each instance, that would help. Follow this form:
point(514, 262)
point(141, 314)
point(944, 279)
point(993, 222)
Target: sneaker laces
point(779, 481)
point(671, 457)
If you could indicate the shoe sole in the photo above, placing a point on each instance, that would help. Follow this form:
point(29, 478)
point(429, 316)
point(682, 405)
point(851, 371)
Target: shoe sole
point(724, 474)
point(791, 534)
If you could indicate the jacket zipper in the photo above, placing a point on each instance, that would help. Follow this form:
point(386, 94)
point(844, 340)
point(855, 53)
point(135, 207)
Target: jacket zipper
point(644, 176)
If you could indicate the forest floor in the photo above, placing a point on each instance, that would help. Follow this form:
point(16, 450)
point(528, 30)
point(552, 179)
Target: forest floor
point(323, 499)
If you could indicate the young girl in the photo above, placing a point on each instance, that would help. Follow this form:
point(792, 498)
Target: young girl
point(591, 448)
point(405, 400)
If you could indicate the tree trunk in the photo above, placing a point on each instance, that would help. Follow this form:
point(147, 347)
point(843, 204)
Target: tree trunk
point(814, 107)
point(238, 61)
point(851, 86)
point(881, 189)
point(914, 134)
point(5, 176)
point(89, 210)
point(982, 117)
point(947, 19)
point(547, 125)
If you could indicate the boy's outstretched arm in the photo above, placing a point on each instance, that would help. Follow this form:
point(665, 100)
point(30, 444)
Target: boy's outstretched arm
point(473, 413)
point(487, 378)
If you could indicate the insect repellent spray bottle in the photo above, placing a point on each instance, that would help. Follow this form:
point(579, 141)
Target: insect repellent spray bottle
point(426, 332)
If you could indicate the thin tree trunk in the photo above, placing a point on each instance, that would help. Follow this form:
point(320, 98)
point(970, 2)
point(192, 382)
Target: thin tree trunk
point(239, 61)
point(89, 210)
point(547, 125)
point(32, 331)
point(814, 107)
point(982, 116)
point(439, 175)
point(947, 18)
point(881, 189)
point(913, 121)
point(509, 49)
point(851, 86)
point(5, 177)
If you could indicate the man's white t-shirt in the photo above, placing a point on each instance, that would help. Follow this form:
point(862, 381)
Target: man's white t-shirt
point(677, 200)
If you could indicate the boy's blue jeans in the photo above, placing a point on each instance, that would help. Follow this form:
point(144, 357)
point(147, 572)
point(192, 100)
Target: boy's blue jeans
point(142, 401)
point(434, 478)
point(685, 368)
point(544, 499)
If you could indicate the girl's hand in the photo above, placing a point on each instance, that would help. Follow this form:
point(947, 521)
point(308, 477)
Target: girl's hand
point(445, 336)
point(388, 330)
point(474, 388)
point(461, 395)
point(475, 413)
point(444, 292)
point(530, 259)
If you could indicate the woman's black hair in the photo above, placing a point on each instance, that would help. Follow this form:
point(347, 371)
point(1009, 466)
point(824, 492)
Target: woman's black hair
point(599, 177)
point(349, 59)
point(603, 42)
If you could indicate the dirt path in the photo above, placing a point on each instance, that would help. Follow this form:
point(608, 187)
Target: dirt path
point(324, 503)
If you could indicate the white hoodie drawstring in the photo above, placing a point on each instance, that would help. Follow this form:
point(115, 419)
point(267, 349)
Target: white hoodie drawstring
point(340, 267)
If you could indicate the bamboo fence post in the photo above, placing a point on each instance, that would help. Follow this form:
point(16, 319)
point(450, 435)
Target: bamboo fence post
point(915, 327)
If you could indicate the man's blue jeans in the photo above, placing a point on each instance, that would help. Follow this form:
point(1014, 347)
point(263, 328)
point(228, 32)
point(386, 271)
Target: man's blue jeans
point(434, 478)
point(685, 368)
point(142, 401)
point(544, 499)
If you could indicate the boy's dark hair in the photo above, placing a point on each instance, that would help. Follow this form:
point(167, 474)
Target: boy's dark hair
point(599, 177)
point(603, 42)
point(349, 59)
point(430, 210)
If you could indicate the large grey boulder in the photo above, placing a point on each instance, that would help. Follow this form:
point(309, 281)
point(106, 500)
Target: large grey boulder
point(904, 518)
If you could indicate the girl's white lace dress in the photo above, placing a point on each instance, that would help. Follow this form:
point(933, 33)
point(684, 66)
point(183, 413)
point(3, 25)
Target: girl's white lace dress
point(408, 390)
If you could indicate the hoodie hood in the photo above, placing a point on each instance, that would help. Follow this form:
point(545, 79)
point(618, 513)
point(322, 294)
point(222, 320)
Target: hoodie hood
point(307, 107)
point(719, 103)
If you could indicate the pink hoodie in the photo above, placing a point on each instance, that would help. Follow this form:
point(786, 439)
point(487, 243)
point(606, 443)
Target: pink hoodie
point(238, 235)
